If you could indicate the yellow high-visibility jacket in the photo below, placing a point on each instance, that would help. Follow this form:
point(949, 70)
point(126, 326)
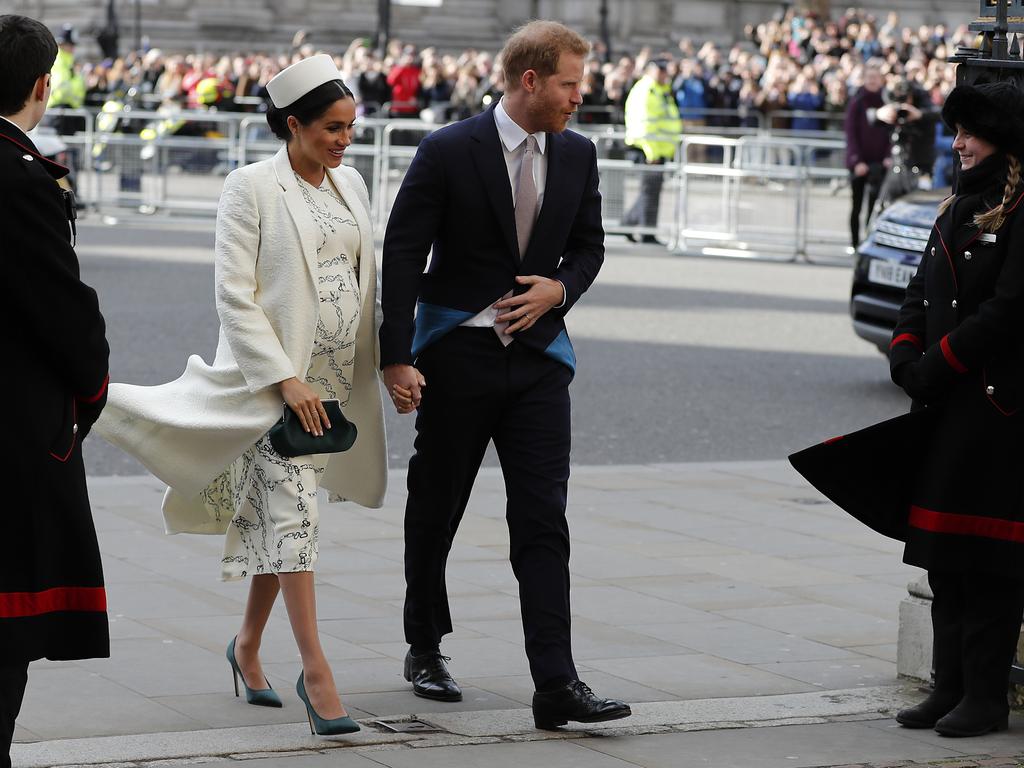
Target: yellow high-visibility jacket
point(652, 119)
point(67, 87)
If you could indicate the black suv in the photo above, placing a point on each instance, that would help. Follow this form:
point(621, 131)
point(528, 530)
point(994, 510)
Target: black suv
point(886, 261)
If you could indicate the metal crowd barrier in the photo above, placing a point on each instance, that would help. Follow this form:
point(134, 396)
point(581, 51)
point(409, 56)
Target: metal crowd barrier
point(749, 196)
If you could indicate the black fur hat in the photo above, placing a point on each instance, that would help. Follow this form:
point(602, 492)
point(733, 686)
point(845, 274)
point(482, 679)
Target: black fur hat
point(991, 111)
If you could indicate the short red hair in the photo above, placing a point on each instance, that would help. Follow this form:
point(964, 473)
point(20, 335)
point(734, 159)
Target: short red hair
point(538, 45)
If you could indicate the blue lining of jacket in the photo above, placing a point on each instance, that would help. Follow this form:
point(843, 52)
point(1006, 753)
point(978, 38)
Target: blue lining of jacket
point(432, 322)
point(561, 350)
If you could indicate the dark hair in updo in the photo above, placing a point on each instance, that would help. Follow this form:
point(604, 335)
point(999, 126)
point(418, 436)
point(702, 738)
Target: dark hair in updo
point(310, 107)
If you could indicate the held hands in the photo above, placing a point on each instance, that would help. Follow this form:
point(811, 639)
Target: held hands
point(522, 311)
point(305, 403)
point(861, 169)
point(405, 386)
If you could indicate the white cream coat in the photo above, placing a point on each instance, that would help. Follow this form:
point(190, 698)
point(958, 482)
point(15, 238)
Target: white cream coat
point(188, 431)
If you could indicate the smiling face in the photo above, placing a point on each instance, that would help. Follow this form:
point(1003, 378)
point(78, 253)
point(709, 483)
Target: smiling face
point(971, 149)
point(556, 98)
point(324, 140)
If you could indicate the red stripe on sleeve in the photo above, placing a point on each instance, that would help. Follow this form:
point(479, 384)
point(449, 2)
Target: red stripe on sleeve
point(99, 394)
point(910, 338)
point(20, 604)
point(947, 352)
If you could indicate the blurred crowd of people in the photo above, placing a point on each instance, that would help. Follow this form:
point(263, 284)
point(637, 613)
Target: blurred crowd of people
point(794, 62)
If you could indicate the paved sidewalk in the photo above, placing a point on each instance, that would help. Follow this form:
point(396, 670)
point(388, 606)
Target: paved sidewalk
point(720, 598)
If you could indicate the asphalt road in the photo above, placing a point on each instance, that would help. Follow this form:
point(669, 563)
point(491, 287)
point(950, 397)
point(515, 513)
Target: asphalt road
point(680, 359)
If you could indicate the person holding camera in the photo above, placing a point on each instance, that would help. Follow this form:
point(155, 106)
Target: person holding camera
point(867, 146)
point(911, 118)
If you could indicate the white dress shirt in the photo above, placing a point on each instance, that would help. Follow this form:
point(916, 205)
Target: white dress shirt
point(513, 147)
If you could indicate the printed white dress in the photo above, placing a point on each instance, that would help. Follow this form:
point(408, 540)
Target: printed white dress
point(275, 526)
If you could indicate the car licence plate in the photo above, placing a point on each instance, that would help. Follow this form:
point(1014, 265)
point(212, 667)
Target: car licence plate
point(890, 273)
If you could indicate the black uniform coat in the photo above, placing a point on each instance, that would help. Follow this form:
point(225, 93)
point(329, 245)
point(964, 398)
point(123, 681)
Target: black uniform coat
point(52, 601)
point(949, 478)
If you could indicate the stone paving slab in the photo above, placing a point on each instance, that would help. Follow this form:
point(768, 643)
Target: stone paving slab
point(691, 583)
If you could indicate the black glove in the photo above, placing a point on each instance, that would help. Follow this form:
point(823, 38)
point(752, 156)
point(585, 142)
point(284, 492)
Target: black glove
point(908, 377)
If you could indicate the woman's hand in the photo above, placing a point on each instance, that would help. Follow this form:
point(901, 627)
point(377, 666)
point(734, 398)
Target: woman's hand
point(305, 403)
point(404, 384)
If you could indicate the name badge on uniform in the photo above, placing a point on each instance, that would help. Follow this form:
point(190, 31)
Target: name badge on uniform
point(988, 238)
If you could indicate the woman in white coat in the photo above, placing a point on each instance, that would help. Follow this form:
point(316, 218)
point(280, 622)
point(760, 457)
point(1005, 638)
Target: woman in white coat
point(296, 297)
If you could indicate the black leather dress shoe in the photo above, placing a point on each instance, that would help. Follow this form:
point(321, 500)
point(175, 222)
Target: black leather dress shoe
point(973, 718)
point(574, 702)
point(430, 678)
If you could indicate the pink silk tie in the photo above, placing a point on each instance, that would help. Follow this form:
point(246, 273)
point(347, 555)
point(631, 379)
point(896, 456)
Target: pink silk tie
point(526, 215)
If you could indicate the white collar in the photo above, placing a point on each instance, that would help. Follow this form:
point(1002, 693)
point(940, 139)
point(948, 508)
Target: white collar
point(512, 135)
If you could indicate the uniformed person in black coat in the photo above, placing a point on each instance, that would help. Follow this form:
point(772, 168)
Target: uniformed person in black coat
point(948, 478)
point(52, 601)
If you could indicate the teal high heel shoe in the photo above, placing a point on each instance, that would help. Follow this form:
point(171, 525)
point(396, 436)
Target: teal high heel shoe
point(263, 698)
point(319, 725)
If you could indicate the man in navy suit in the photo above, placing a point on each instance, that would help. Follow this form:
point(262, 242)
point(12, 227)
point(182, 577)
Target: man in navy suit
point(508, 202)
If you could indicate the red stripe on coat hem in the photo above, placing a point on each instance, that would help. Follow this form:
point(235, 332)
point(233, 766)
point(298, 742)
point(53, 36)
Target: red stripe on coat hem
point(966, 525)
point(947, 352)
point(98, 395)
point(15, 605)
point(907, 337)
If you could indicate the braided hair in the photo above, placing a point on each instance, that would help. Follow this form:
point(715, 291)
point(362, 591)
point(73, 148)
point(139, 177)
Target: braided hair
point(993, 219)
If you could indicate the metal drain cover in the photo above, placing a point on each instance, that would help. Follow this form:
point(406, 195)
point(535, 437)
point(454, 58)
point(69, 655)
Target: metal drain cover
point(408, 726)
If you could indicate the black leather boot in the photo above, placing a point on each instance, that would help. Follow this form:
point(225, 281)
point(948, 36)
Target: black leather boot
point(946, 655)
point(992, 619)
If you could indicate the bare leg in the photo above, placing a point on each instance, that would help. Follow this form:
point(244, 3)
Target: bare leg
point(263, 590)
point(300, 600)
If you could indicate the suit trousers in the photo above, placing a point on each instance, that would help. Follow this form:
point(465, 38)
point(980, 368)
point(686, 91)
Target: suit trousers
point(976, 620)
point(644, 212)
point(477, 391)
point(13, 678)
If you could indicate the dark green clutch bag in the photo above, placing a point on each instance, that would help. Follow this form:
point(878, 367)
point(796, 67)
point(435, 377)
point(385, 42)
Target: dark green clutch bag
point(289, 439)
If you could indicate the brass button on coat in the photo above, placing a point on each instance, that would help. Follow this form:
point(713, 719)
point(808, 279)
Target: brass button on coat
point(74, 429)
point(954, 303)
point(990, 390)
point(933, 250)
point(967, 256)
point(926, 304)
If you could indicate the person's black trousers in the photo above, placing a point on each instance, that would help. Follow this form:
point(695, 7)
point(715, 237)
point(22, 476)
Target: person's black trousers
point(13, 678)
point(872, 184)
point(477, 391)
point(644, 212)
point(976, 621)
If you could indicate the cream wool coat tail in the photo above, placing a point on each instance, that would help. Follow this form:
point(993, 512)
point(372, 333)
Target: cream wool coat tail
point(189, 431)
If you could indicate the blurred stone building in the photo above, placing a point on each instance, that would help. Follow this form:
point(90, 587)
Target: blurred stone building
point(228, 25)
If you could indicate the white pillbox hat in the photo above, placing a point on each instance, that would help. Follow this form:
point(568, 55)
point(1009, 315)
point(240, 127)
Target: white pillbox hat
point(292, 83)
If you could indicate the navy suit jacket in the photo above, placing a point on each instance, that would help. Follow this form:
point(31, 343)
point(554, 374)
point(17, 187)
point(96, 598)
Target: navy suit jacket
point(456, 199)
